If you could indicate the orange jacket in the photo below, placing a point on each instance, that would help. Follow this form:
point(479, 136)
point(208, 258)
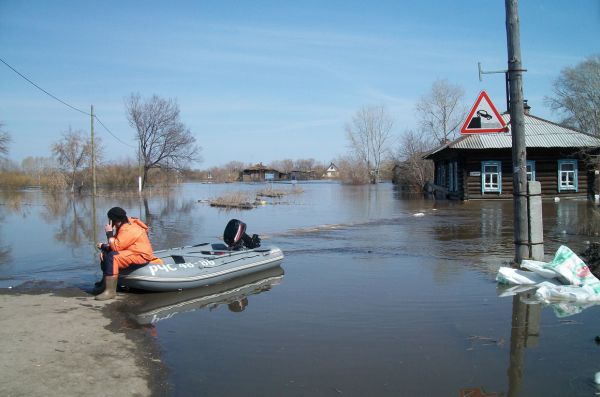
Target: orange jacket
point(133, 237)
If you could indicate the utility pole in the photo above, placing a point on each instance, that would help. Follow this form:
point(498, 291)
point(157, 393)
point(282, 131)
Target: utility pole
point(93, 152)
point(140, 182)
point(517, 127)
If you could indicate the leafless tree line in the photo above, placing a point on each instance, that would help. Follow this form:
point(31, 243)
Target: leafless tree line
point(371, 138)
point(577, 96)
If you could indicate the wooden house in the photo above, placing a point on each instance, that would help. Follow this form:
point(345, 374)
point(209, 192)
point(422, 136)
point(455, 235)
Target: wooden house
point(261, 173)
point(479, 166)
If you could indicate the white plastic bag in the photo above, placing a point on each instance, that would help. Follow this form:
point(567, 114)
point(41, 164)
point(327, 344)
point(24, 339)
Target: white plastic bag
point(553, 293)
point(508, 275)
point(571, 268)
point(538, 267)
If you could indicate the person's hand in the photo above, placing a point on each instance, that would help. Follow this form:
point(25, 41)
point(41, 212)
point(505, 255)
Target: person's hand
point(99, 246)
point(108, 228)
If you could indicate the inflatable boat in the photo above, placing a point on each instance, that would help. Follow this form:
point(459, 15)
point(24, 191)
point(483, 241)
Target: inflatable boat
point(199, 265)
point(152, 308)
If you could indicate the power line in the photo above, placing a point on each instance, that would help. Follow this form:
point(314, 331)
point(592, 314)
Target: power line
point(43, 90)
point(114, 136)
point(65, 103)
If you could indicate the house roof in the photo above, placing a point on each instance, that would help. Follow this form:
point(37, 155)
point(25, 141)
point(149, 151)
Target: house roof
point(539, 133)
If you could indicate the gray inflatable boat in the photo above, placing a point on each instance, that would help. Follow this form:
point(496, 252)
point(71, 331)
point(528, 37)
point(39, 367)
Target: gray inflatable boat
point(199, 265)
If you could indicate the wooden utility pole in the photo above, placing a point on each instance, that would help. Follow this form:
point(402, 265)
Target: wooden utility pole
point(93, 152)
point(140, 181)
point(517, 127)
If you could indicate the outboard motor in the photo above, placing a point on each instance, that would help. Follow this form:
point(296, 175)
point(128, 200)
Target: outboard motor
point(236, 238)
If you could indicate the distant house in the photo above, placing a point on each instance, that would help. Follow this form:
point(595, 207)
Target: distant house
point(331, 171)
point(261, 173)
point(479, 166)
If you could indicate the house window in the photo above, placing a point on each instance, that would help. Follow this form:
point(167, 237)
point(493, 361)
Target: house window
point(530, 170)
point(491, 176)
point(567, 175)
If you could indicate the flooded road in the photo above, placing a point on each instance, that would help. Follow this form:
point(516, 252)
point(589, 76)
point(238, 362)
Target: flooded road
point(379, 294)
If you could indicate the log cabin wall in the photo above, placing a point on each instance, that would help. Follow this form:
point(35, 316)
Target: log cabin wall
point(545, 166)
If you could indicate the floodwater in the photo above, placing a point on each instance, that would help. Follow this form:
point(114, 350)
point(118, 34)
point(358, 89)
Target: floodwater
point(379, 294)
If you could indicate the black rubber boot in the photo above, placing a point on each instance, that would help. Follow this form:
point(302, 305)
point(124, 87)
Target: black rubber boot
point(99, 287)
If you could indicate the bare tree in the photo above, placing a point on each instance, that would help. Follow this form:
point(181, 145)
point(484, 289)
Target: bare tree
point(230, 172)
point(4, 140)
point(413, 171)
point(36, 167)
point(73, 154)
point(441, 110)
point(234, 169)
point(285, 165)
point(370, 137)
point(305, 165)
point(353, 170)
point(165, 142)
point(576, 96)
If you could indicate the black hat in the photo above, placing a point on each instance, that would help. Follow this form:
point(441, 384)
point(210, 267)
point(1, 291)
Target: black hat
point(117, 214)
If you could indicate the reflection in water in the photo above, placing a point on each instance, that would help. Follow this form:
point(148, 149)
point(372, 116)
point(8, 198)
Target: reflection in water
point(575, 217)
point(76, 222)
point(525, 332)
point(172, 211)
point(156, 307)
point(10, 202)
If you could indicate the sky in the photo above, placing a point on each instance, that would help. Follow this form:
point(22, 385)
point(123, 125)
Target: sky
point(258, 81)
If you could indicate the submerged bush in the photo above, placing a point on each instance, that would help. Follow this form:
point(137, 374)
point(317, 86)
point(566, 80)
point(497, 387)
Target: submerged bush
point(353, 171)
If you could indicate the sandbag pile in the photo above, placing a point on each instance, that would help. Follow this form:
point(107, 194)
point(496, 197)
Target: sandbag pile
point(565, 279)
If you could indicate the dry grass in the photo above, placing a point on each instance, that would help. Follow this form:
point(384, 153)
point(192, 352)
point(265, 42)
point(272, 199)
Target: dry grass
point(270, 192)
point(274, 193)
point(118, 176)
point(15, 180)
point(233, 200)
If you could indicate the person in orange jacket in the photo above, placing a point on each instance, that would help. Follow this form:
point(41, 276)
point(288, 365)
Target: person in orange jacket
point(128, 244)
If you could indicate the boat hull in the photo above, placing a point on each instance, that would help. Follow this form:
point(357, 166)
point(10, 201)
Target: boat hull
point(197, 266)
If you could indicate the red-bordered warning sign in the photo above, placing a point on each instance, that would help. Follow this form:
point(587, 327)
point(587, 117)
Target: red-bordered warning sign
point(483, 117)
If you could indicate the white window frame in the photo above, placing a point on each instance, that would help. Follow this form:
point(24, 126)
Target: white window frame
point(567, 179)
point(490, 187)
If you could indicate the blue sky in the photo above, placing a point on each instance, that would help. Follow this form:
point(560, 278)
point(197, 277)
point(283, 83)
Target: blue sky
point(267, 80)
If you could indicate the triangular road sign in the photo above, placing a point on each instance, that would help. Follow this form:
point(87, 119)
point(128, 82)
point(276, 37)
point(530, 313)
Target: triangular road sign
point(483, 117)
